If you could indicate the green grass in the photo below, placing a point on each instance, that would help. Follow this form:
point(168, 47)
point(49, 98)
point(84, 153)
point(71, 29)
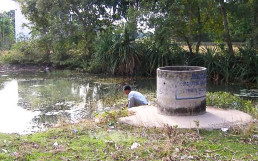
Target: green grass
point(227, 100)
point(220, 146)
point(93, 142)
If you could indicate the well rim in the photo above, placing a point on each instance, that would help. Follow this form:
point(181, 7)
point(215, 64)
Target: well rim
point(177, 69)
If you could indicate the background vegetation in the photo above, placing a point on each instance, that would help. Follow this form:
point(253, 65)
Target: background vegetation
point(134, 37)
point(6, 29)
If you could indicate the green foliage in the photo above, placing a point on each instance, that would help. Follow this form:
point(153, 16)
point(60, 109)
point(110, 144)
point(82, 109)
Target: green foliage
point(108, 36)
point(63, 54)
point(218, 64)
point(11, 57)
point(112, 116)
point(69, 54)
point(186, 21)
point(66, 30)
point(6, 29)
point(100, 60)
point(227, 100)
point(25, 52)
point(240, 21)
point(116, 53)
point(222, 67)
point(209, 59)
point(247, 64)
point(157, 55)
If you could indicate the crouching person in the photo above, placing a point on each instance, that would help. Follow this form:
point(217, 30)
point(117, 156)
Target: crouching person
point(134, 98)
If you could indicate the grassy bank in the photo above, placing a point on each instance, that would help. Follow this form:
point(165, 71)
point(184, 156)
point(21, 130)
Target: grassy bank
point(91, 141)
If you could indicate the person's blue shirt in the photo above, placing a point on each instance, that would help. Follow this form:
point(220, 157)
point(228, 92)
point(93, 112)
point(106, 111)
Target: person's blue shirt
point(136, 99)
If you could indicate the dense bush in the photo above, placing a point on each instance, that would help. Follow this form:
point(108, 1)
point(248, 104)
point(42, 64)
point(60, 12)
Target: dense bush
point(223, 68)
point(157, 55)
point(60, 54)
point(25, 52)
point(247, 64)
point(116, 53)
point(69, 54)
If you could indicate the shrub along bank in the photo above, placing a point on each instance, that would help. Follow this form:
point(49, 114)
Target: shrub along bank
point(115, 55)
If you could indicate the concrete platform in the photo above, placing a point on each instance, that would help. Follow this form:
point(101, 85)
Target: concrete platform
point(214, 118)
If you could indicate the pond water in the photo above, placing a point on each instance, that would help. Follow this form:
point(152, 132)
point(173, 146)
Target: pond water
point(34, 101)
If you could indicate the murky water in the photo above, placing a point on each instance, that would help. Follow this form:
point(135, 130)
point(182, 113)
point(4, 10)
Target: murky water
point(31, 102)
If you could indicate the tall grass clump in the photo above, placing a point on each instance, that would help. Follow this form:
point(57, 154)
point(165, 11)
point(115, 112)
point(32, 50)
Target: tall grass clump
point(224, 68)
point(116, 53)
point(208, 58)
point(158, 55)
point(247, 65)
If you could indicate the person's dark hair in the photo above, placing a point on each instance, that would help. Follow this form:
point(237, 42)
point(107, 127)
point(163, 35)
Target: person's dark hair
point(127, 87)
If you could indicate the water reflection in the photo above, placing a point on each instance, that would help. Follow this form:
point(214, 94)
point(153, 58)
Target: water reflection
point(29, 105)
point(13, 118)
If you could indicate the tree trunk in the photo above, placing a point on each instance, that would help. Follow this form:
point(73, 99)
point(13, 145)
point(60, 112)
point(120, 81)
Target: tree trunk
point(227, 35)
point(190, 19)
point(189, 45)
point(189, 40)
point(255, 25)
point(132, 23)
point(199, 31)
point(1, 40)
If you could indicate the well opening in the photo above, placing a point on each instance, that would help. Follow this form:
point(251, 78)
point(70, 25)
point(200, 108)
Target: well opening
point(182, 68)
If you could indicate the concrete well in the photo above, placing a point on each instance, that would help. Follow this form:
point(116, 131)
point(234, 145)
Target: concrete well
point(181, 90)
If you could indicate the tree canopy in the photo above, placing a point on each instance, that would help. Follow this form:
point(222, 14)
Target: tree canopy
point(6, 29)
point(123, 36)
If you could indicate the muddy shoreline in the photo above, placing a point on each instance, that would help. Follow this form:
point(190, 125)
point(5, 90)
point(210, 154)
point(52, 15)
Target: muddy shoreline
point(4, 68)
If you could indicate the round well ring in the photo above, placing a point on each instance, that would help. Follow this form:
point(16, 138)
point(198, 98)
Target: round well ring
point(181, 90)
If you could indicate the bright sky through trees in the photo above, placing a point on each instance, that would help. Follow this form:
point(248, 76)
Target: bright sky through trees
point(6, 5)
